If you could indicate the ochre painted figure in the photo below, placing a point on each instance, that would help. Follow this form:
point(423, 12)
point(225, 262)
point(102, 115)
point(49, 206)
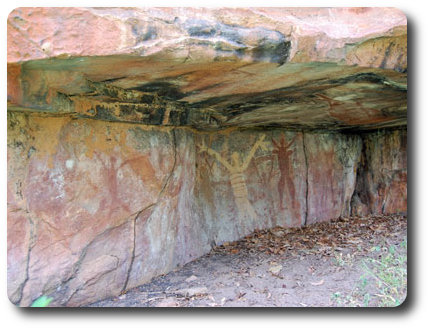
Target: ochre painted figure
point(237, 178)
point(283, 153)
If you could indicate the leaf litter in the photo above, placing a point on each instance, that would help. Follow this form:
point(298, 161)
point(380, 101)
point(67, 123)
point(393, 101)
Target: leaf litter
point(276, 267)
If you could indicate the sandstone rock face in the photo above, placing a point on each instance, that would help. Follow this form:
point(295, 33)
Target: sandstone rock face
point(257, 34)
point(212, 68)
point(382, 174)
point(251, 180)
point(81, 189)
point(332, 167)
point(212, 95)
point(139, 138)
point(99, 213)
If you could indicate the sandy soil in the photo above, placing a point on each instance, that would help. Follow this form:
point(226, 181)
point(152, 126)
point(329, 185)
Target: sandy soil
point(322, 265)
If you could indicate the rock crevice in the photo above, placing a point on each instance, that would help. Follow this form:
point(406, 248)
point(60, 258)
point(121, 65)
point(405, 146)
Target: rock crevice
point(306, 179)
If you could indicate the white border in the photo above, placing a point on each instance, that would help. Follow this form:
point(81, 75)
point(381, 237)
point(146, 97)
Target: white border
point(417, 311)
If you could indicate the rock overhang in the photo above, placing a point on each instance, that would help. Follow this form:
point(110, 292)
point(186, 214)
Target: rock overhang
point(215, 69)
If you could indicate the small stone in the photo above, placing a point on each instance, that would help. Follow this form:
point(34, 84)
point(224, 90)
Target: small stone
point(168, 302)
point(191, 278)
point(189, 292)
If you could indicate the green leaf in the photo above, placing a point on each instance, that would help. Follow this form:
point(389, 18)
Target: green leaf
point(42, 301)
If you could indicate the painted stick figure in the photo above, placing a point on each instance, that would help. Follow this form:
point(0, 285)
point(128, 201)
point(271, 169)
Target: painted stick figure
point(283, 154)
point(237, 178)
point(111, 166)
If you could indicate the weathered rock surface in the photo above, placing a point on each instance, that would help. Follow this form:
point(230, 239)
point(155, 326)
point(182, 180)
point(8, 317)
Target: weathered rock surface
point(382, 174)
point(257, 34)
point(139, 138)
point(213, 96)
point(97, 209)
point(332, 166)
point(78, 191)
point(212, 68)
point(253, 179)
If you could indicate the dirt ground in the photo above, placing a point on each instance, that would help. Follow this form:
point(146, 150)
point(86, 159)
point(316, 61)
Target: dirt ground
point(351, 262)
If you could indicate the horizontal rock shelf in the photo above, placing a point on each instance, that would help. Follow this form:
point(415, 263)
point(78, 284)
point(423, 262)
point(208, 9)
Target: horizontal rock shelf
point(210, 97)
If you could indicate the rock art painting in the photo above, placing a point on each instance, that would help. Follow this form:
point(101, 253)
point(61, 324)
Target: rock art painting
point(78, 201)
point(236, 168)
point(253, 179)
point(283, 154)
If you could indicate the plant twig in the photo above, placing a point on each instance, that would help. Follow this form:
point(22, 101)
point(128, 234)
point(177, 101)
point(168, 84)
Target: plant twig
point(376, 277)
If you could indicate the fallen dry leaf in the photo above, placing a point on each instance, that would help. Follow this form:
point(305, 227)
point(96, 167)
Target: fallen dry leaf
point(327, 237)
point(275, 269)
point(317, 283)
